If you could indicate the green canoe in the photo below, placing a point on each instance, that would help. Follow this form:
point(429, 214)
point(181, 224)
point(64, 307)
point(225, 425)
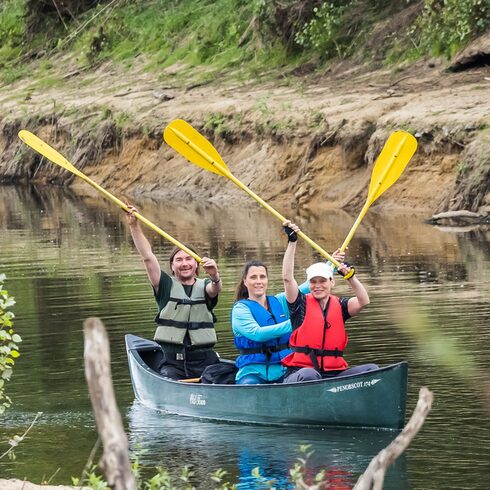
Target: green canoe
point(375, 399)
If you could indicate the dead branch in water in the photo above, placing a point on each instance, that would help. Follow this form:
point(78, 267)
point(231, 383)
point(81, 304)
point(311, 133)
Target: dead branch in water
point(373, 477)
point(115, 459)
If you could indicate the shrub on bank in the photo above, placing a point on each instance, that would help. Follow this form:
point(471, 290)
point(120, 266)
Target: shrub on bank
point(254, 35)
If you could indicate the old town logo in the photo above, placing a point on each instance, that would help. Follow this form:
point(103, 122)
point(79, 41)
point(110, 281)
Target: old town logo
point(195, 399)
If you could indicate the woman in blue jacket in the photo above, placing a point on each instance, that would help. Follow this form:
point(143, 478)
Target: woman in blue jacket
point(261, 328)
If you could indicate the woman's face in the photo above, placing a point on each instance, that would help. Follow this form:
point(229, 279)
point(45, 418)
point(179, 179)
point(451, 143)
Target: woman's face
point(320, 287)
point(256, 281)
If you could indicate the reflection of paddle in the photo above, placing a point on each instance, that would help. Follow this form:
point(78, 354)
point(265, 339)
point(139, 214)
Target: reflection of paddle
point(391, 162)
point(51, 154)
point(183, 138)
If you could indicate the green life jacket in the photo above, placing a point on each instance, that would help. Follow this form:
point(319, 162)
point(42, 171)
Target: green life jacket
point(184, 314)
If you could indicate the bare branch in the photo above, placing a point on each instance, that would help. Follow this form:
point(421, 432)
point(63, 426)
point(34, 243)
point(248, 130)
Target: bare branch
point(115, 459)
point(373, 477)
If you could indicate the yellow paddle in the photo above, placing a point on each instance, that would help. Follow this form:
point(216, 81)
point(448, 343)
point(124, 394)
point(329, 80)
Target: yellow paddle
point(51, 154)
point(183, 138)
point(391, 162)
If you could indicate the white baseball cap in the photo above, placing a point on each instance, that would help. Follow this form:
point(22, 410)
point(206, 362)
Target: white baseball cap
point(320, 269)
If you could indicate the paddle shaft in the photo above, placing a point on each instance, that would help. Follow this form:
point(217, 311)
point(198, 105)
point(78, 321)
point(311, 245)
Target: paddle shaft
point(354, 226)
point(373, 195)
point(279, 216)
point(148, 223)
point(53, 155)
point(229, 175)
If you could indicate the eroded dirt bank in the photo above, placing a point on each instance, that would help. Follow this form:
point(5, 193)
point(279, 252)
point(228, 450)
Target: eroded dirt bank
point(25, 485)
point(302, 142)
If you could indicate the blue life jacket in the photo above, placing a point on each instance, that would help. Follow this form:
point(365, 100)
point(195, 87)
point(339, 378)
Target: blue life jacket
point(271, 351)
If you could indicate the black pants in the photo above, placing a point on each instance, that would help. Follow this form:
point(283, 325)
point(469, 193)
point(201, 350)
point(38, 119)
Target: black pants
point(192, 366)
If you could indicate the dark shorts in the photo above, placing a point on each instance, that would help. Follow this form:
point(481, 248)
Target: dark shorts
point(295, 374)
point(188, 365)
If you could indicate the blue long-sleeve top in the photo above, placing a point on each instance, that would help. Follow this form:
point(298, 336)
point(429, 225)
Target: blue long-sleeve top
point(243, 324)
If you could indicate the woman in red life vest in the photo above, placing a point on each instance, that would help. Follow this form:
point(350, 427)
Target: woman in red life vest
point(318, 318)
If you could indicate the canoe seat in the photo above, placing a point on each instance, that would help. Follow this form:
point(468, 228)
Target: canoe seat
point(191, 380)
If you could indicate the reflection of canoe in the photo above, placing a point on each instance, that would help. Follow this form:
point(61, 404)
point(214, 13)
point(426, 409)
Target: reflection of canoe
point(373, 399)
point(204, 445)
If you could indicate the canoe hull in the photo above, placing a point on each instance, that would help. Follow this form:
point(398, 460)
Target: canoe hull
point(376, 399)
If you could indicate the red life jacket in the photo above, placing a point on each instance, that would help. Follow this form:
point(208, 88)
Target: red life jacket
point(320, 340)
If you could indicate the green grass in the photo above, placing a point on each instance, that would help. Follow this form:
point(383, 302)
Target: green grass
point(12, 28)
point(48, 81)
point(11, 74)
point(156, 34)
point(194, 32)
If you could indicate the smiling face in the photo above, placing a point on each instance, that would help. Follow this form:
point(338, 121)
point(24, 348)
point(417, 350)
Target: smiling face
point(256, 282)
point(320, 287)
point(184, 267)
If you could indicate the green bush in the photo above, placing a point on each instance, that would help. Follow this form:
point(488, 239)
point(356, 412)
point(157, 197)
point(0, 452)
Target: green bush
point(445, 26)
point(321, 34)
point(12, 28)
point(9, 350)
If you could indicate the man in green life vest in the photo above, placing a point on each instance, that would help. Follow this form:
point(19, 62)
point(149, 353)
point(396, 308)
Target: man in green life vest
point(185, 302)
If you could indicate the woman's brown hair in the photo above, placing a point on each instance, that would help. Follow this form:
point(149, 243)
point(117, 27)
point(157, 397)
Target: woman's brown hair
point(241, 290)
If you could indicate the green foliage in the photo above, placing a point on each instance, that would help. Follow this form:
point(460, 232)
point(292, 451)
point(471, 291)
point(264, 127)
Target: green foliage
point(13, 72)
point(162, 480)
point(252, 37)
point(122, 119)
point(444, 27)
point(91, 480)
point(216, 122)
point(9, 350)
point(321, 34)
point(12, 29)
point(463, 168)
point(297, 473)
point(195, 32)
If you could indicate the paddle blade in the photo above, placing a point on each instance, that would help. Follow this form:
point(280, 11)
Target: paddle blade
point(44, 149)
point(391, 162)
point(184, 139)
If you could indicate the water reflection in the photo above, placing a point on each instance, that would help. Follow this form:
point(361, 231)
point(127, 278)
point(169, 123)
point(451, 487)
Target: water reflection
point(207, 446)
point(68, 258)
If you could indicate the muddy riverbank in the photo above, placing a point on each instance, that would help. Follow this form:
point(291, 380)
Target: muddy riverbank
point(301, 142)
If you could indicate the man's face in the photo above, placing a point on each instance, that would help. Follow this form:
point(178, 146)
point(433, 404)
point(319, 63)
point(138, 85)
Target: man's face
point(320, 287)
point(184, 266)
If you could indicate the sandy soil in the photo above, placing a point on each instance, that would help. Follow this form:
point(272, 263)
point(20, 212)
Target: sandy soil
point(25, 485)
point(303, 142)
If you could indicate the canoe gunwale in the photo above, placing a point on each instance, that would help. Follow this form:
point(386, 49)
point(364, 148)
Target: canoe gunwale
point(371, 400)
point(135, 353)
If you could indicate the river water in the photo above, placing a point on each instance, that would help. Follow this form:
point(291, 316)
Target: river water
point(67, 259)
